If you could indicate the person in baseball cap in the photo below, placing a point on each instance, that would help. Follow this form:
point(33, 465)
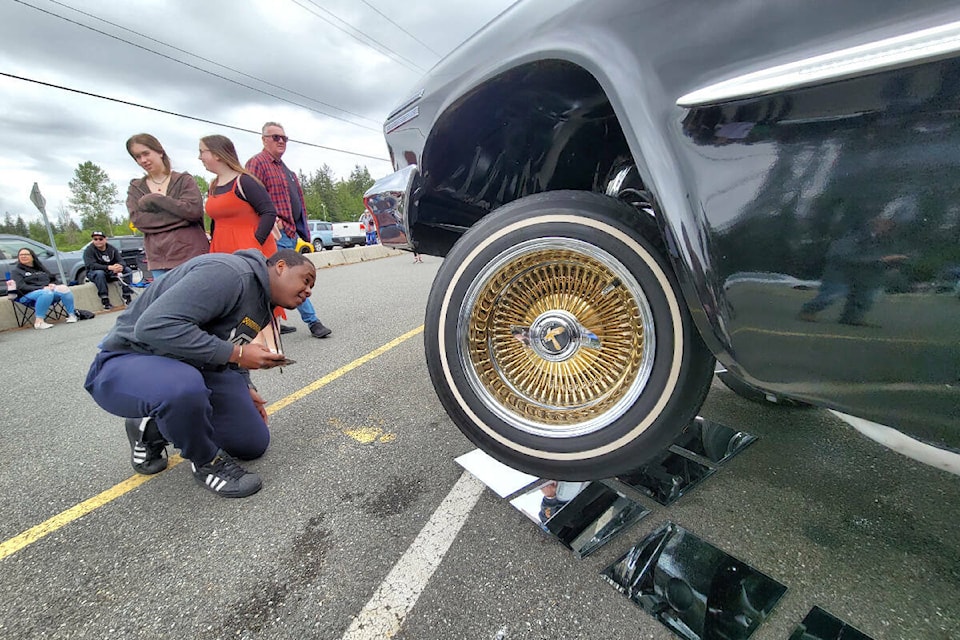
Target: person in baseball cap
point(104, 264)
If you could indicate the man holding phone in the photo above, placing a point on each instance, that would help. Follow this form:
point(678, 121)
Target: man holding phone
point(191, 335)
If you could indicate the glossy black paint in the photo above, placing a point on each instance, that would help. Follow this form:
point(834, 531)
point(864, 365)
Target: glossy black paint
point(872, 162)
point(560, 94)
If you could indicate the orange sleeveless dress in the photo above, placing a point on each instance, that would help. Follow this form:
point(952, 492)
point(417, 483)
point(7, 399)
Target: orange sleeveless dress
point(236, 222)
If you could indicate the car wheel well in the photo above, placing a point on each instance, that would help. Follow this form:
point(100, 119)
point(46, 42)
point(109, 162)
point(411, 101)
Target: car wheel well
point(543, 126)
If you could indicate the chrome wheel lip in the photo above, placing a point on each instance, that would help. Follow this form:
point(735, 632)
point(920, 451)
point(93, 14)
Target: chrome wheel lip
point(523, 423)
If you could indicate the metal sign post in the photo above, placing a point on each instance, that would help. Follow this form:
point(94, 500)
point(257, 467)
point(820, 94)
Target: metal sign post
point(40, 203)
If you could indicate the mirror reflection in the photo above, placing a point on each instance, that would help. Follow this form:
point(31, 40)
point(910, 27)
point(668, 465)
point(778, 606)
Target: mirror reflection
point(692, 587)
point(821, 625)
point(582, 515)
point(712, 440)
point(667, 477)
point(498, 477)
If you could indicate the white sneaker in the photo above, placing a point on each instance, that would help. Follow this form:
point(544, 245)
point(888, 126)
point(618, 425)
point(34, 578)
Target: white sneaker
point(40, 324)
point(71, 318)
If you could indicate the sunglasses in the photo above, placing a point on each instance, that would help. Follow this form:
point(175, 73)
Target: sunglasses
point(276, 137)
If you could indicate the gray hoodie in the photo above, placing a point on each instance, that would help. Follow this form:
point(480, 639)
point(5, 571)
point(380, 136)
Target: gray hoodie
point(198, 311)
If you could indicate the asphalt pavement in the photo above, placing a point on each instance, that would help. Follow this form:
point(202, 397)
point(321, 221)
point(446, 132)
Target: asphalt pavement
point(361, 470)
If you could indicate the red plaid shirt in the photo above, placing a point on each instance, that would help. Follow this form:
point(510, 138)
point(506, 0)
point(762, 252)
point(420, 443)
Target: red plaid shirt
point(271, 173)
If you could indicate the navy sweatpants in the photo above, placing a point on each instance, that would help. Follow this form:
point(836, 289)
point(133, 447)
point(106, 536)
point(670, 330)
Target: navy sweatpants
point(198, 411)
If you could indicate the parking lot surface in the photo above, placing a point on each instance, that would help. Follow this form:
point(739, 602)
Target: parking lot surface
point(363, 504)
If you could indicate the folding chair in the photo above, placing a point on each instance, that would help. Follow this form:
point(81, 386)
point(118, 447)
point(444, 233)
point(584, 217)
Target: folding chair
point(23, 311)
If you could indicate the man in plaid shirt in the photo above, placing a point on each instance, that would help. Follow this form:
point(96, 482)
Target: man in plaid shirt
point(287, 196)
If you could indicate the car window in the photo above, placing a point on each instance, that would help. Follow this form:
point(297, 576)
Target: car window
point(11, 246)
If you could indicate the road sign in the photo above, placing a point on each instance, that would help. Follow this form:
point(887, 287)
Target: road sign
point(40, 203)
point(37, 198)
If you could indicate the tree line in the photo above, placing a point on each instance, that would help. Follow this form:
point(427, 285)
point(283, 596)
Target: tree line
point(94, 195)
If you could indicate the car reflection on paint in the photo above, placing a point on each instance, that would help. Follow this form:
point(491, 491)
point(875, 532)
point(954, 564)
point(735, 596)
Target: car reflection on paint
point(761, 277)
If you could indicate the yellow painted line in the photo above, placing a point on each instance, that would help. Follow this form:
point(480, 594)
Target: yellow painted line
point(33, 534)
point(67, 516)
point(342, 371)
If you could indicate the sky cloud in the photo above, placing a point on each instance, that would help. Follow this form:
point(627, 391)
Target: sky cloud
point(304, 63)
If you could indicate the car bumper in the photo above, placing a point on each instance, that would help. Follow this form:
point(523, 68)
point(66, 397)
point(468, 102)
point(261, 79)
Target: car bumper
point(349, 240)
point(389, 201)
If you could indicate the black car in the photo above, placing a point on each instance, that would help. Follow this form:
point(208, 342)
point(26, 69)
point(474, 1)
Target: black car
point(605, 179)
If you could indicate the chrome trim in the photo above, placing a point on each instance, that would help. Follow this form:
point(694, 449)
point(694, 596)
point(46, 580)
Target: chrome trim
point(910, 49)
point(388, 200)
point(903, 444)
point(399, 121)
point(406, 104)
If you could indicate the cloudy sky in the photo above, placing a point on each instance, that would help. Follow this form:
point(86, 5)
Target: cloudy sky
point(236, 63)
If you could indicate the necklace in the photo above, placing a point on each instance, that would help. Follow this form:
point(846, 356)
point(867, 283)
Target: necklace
point(158, 182)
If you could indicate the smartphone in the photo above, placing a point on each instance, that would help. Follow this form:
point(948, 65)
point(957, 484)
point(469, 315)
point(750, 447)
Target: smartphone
point(285, 362)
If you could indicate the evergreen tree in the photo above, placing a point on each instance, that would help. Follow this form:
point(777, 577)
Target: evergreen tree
point(94, 195)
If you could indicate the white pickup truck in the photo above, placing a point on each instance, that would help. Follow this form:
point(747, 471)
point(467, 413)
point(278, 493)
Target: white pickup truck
point(348, 234)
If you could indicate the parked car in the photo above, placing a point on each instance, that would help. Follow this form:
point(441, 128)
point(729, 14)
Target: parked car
point(303, 246)
point(72, 261)
point(349, 234)
point(321, 233)
point(597, 173)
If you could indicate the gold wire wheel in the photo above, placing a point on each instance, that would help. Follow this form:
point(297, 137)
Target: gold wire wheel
point(558, 337)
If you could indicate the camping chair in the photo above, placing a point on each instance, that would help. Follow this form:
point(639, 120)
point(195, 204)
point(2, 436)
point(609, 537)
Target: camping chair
point(23, 310)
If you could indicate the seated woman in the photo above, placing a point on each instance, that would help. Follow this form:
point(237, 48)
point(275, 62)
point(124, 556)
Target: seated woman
point(36, 284)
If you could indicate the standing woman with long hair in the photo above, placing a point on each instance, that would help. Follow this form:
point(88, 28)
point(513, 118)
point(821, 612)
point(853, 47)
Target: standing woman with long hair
point(241, 211)
point(166, 206)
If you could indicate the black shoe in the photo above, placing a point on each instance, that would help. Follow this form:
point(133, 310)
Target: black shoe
point(284, 328)
point(127, 299)
point(106, 303)
point(148, 449)
point(317, 330)
point(225, 477)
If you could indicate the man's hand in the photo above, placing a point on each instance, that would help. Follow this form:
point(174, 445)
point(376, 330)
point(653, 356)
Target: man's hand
point(259, 403)
point(257, 356)
point(115, 268)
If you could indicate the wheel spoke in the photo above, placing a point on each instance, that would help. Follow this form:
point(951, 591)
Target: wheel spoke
point(557, 337)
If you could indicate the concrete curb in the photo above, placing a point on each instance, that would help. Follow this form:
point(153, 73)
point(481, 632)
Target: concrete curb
point(85, 295)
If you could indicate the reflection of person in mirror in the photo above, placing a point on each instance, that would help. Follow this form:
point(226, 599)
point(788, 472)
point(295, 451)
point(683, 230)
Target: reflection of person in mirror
point(556, 494)
point(855, 265)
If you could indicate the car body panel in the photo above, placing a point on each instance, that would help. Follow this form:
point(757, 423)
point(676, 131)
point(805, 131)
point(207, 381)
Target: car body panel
point(321, 230)
point(349, 234)
point(761, 184)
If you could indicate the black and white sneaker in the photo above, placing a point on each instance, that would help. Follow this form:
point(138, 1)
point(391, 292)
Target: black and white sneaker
point(148, 449)
point(225, 477)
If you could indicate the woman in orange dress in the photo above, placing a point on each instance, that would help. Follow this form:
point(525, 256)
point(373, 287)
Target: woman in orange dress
point(242, 213)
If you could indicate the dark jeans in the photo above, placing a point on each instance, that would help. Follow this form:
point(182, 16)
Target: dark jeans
point(100, 278)
point(198, 411)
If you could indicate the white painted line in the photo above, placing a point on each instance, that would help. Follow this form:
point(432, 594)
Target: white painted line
point(383, 615)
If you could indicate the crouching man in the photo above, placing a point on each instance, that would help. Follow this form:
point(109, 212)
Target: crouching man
point(180, 355)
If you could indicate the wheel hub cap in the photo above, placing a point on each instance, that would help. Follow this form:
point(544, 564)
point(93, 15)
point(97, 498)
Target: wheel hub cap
point(556, 337)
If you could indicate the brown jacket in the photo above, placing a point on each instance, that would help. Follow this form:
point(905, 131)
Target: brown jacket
point(172, 224)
